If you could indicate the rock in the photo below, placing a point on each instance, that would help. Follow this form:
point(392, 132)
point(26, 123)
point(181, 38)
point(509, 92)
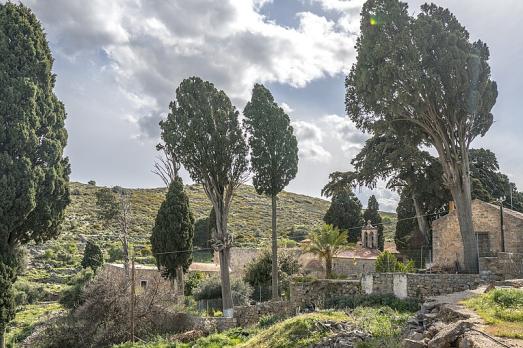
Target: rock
point(416, 336)
point(449, 334)
point(489, 288)
point(410, 343)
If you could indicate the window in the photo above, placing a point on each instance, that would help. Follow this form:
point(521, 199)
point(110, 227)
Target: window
point(143, 284)
point(483, 244)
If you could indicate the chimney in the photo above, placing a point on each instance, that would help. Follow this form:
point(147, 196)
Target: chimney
point(452, 206)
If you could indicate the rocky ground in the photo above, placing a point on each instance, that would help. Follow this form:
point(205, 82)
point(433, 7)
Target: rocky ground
point(443, 322)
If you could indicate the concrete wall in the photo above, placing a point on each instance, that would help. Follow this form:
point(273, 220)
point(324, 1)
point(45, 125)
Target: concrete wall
point(501, 267)
point(447, 245)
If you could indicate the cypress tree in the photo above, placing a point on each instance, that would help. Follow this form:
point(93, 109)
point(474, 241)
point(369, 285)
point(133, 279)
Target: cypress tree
point(173, 233)
point(344, 213)
point(372, 214)
point(93, 256)
point(274, 155)
point(34, 174)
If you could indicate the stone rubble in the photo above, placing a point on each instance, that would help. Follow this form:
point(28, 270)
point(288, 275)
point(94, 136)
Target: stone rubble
point(344, 335)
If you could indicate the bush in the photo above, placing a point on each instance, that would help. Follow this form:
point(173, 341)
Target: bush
point(193, 280)
point(210, 289)
point(91, 182)
point(373, 300)
point(74, 294)
point(268, 320)
point(26, 292)
point(115, 252)
point(387, 262)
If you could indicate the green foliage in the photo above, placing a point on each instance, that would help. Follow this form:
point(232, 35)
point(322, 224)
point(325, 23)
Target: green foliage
point(274, 148)
point(93, 256)
point(259, 271)
point(173, 231)
point(268, 320)
point(202, 234)
point(27, 292)
point(73, 295)
point(210, 289)
point(387, 262)
point(344, 213)
point(372, 214)
point(326, 242)
point(373, 300)
point(192, 281)
point(502, 310)
point(34, 181)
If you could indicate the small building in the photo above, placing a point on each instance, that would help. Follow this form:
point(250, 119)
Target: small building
point(149, 275)
point(447, 247)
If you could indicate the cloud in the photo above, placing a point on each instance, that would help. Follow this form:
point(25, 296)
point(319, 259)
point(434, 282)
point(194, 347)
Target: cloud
point(151, 46)
point(310, 138)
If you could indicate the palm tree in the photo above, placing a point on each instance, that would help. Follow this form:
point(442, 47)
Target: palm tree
point(326, 242)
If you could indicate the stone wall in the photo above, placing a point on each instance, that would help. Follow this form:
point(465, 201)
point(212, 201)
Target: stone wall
point(503, 266)
point(250, 315)
point(317, 292)
point(447, 245)
point(425, 285)
point(239, 258)
point(348, 266)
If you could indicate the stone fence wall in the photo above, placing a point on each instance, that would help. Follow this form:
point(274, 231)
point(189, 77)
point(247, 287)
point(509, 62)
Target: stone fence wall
point(316, 292)
point(416, 285)
point(503, 266)
point(250, 315)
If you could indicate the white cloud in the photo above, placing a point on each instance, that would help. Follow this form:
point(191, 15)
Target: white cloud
point(287, 108)
point(310, 138)
point(151, 46)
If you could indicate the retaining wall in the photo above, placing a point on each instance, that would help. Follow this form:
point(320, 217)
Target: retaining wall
point(503, 266)
point(250, 315)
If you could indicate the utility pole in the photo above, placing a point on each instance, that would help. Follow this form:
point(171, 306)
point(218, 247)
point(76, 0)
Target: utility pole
point(502, 224)
point(133, 292)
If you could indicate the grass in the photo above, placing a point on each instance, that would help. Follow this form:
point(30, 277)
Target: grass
point(383, 323)
point(502, 310)
point(27, 319)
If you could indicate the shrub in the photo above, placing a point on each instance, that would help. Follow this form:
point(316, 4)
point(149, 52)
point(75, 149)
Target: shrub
point(268, 320)
point(192, 281)
point(91, 182)
point(210, 289)
point(26, 292)
point(373, 300)
point(93, 256)
point(387, 262)
point(74, 294)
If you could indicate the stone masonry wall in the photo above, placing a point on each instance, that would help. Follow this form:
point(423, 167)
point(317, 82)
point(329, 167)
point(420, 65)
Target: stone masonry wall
point(250, 315)
point(503, 266)
point(316, 292)
point(347, 266)
point(426, 285)
point(447, 245)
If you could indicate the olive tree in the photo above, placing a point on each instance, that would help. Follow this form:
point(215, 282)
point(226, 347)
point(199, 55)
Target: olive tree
point(203, 130)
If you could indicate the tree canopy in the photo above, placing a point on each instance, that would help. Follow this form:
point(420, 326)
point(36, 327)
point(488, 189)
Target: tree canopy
point(372, 214)
point(424, 70)
point(93, 256)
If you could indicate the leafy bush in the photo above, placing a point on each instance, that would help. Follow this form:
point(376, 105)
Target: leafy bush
point(373, 300)
point(268, 320)
point(26, 292)
point(210, 289)
point(193, 280)
point(387, 262)
point(74, 294)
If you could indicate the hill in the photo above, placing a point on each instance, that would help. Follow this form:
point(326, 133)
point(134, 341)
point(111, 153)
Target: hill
point(54, 262)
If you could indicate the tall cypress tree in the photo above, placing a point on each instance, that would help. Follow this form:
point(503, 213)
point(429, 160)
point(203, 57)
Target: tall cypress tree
point(93, 256)
point(34, 174)
point(372, 214)
point(173, 233)
point(344, 213)
point(274, 155)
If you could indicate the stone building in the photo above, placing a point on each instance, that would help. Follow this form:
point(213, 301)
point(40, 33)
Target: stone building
point(446, 239)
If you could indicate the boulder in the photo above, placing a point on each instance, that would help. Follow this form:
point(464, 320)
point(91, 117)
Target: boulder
point(448, 335)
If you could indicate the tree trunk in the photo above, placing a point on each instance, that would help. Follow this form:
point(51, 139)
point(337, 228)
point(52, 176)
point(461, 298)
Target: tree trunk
point(328, 267)
point(275, 294)
point(462, 198)
point(228, 308)
point(423, 225)
point(180, 283)
point(125, 251)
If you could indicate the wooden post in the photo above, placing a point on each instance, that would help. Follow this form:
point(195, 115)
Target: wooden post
point(133, 292)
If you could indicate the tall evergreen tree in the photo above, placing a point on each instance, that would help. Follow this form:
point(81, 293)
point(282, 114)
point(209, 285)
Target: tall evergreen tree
point(173, 233)
point(274, 156)
point(203, 130)
point(372, 214)
point(424, 70)
point(93, 256)
point(34, 174)
point(344, 213)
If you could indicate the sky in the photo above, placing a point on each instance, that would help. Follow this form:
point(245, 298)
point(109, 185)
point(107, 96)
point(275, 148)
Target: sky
point(119, 62)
